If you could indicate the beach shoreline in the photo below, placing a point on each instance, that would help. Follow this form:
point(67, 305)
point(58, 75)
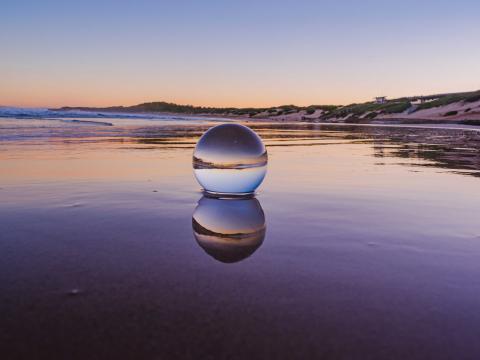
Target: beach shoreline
point(454, 108)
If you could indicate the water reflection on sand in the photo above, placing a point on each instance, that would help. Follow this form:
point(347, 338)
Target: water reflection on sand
point(229, 230)
point(373, 245)
point(456, 149)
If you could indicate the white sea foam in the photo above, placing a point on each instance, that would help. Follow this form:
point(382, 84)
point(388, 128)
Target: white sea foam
point(41, 123)
point(44, 113)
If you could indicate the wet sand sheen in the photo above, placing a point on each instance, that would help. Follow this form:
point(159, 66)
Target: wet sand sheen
point(371, 246)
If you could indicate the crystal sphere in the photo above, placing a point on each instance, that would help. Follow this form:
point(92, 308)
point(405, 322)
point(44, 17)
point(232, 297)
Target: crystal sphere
point(229, 230)
point(230, 159)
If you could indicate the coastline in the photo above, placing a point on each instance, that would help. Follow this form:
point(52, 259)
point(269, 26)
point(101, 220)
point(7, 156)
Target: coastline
point(455, 108)
point(305, 119)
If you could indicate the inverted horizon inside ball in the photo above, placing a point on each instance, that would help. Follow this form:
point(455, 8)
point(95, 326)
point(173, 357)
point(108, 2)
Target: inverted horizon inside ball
point(230, 159)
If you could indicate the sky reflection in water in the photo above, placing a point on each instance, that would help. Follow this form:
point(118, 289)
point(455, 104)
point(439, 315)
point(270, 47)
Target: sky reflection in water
point(372, 247)
point(229, 230)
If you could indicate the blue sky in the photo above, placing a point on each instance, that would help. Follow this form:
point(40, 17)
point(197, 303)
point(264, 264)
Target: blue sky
point(239, 53)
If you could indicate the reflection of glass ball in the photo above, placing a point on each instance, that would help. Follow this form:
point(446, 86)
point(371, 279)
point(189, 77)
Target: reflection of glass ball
point(230, 159)
point(229, 230)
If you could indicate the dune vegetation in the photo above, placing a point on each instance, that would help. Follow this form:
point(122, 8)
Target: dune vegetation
point(405, 107)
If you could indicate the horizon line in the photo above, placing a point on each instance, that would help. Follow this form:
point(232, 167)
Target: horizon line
point(228, 107)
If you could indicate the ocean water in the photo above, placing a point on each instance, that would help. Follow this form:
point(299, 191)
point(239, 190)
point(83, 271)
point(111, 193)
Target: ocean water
point(363, 242)
point(39, 123)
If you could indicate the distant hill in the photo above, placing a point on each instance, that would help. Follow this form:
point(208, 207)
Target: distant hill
point(464, 106)
point(165, 107)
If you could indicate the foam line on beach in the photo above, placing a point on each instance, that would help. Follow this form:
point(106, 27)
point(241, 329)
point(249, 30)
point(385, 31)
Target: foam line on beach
point(88, 122)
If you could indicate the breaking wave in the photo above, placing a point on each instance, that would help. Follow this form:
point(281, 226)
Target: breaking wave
point(44, 113)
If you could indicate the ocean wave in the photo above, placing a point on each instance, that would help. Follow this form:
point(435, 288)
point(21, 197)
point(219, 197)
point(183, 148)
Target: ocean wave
point(44, 113)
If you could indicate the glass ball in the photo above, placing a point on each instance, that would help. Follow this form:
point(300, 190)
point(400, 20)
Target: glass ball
point(230, 159)
point(229, 230)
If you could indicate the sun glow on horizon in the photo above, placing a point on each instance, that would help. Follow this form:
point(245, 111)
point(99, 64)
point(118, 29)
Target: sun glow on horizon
point(246, 54)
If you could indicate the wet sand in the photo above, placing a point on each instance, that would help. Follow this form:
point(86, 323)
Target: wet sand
point(362, 243)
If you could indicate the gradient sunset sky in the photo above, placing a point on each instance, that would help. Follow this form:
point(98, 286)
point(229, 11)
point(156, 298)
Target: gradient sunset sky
point(234, 53)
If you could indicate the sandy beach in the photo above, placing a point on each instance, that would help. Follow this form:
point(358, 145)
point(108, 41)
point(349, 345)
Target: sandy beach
point(105, 245)
point(239, 180)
